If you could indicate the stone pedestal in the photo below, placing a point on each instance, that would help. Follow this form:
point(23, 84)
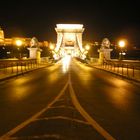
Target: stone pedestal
point(104, 54)
point(35, 53)
point(38, 55)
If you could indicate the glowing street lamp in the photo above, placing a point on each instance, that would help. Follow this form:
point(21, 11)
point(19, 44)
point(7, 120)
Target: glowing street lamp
point(122, 45)
point(18, 42)
point(51, 46)
point(87, 47)
point(52, 51)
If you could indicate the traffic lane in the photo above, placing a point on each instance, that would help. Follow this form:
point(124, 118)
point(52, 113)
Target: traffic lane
point(113, 102)
point(60, 121)
point(22, 97)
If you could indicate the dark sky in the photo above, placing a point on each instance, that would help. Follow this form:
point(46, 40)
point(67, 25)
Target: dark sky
point(112, 19)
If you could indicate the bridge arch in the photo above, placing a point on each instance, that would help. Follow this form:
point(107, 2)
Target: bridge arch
point(69, 39)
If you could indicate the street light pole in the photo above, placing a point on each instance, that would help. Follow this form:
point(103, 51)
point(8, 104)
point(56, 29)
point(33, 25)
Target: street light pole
point(121, 45)
point(19, 43)
point(87, 48)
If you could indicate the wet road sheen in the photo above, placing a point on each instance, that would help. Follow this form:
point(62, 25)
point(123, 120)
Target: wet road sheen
point(112, 102)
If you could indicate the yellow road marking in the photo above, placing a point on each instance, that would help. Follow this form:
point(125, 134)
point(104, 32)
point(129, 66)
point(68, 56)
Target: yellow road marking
point(64, 118)
point(25, 123)
point(76, 103)
point(94, 124)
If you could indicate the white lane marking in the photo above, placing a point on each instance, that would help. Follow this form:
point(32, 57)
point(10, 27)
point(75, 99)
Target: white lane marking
point(81, 110)
point(25, 123)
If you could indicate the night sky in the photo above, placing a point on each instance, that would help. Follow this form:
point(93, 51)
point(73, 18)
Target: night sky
point(112, 19)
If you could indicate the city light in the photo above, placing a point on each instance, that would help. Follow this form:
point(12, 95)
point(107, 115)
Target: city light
point(82, 50)
point(1, 36)
point(87, 47)
point(18, 42)
point(121, 43)
point(51, 46)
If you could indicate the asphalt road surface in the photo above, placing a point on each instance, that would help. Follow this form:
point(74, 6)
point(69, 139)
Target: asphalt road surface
point(69, 101)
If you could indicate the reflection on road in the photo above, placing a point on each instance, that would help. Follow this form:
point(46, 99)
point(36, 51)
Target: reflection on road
point(66, 62)
point(83, 72)
point(116, 91)
point(54, 73)
point(119, 94)
point(21, 91)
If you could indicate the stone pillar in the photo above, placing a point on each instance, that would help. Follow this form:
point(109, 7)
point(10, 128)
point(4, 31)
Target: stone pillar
point(104, 54)
point(35, 53)
point(38, 55)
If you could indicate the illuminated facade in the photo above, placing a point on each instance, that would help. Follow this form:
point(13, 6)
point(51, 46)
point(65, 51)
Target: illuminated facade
point(69, 39)
point(1, 36)
point(12, 41)
point(14, 45)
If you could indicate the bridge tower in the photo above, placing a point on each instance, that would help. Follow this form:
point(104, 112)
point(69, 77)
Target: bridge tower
point(69, 39)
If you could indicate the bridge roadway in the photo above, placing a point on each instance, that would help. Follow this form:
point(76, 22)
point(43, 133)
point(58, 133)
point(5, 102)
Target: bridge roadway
point(72, 102)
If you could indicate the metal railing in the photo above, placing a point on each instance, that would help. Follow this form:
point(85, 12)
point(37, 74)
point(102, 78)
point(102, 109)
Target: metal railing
point(17, 66)
point(128, 69)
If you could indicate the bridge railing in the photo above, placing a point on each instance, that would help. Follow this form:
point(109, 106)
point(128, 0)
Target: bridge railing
point(17, 66)
point(128, 69)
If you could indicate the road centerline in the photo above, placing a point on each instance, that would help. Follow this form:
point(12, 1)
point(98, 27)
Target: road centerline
point(81, 110)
